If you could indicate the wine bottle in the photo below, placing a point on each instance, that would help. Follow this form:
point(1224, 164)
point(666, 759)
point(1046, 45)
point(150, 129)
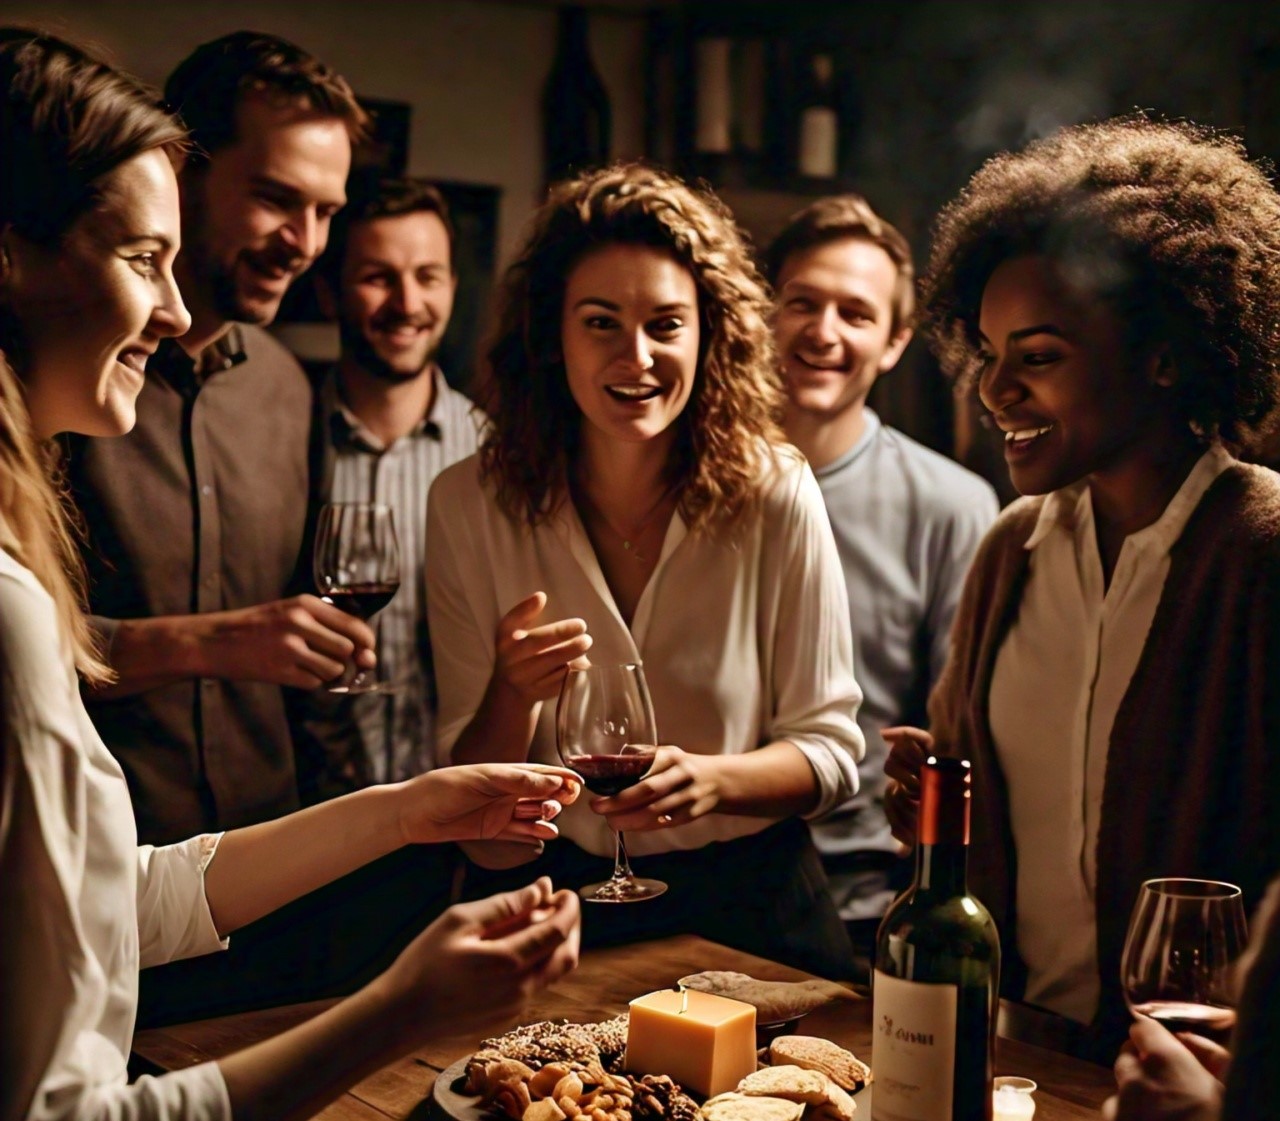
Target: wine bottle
point(576, 118)
point(936, 982)
point(819, 153)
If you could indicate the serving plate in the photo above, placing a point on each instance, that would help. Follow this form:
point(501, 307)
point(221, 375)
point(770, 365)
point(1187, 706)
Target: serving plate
point(448, 1103)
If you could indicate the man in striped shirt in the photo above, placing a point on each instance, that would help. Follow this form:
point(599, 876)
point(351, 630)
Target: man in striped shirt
point(391, 424)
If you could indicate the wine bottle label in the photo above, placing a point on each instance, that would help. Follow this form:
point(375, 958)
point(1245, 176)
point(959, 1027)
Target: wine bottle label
point(819, 140)
point(913, 1049)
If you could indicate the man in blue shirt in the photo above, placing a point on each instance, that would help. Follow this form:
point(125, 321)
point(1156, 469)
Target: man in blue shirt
point(906, 519)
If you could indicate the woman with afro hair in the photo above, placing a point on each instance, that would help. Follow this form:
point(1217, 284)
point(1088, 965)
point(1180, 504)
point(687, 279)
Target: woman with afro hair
point(1113, 292)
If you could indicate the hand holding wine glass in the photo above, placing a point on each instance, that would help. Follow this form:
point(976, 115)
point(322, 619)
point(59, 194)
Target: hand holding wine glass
point(357, 568)
point(1177, 967)
point(606, 733)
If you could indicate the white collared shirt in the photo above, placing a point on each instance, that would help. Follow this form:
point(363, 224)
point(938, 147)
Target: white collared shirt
point(1058, 681)
point(743, 643)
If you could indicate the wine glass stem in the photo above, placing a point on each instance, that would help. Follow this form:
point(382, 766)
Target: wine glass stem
point(621, 865)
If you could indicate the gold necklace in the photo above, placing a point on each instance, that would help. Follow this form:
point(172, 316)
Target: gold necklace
point(630, 541)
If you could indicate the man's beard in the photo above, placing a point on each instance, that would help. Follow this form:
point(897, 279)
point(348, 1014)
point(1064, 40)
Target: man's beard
point(218, 280)
point(357, 345)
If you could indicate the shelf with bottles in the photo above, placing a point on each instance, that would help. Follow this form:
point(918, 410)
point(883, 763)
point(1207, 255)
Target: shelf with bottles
point(745, 107)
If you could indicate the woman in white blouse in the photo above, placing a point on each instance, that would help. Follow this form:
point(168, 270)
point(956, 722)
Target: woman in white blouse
point(635, 499)
point(88, 232)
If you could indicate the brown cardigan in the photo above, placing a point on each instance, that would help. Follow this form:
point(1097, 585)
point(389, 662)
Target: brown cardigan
point(1192, 785)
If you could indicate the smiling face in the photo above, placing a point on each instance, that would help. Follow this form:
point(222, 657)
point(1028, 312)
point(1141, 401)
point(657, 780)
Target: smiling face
point(257, 214)
point(93, 308)
point(834, 325)
point(630, 336)
point(1061, 382)
point(397, 289)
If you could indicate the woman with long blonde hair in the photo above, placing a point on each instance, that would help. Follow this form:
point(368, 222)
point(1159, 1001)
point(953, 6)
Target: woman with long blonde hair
point(88, 233)
point(635, 499)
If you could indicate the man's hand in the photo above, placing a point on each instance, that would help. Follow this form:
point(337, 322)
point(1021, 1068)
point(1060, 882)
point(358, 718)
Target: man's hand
point(531, 661)
point(302, 642)
point(477, 965)
point(908, 749)
point(486, 802)
point(1165, 1077)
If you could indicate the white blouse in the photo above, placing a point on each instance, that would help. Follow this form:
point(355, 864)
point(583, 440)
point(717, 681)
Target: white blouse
point(82, 907)
point(743, 643)
point(1058, 681)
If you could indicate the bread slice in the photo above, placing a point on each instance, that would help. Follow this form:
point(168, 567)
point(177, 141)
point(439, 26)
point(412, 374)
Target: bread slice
point(844, 1068)
point(742, 1107)
point(806, 1087)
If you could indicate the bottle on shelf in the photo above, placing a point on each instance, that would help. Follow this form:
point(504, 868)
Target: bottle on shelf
point(818, 156)
point(935, 988)
point(576, 117)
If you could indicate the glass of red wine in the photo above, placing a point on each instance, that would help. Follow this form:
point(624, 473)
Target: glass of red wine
point(606, 732)
point(1179, 957)
point(357, 568)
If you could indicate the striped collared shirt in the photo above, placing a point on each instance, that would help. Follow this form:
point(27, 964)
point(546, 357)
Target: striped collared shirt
point(398, 729)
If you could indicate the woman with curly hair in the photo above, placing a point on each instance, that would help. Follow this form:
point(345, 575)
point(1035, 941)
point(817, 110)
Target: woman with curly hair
point(1114, 292)
point(636, 492)
point(89, 229)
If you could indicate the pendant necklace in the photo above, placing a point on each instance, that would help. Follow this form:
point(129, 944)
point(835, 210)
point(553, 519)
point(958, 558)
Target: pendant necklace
point(629, 540)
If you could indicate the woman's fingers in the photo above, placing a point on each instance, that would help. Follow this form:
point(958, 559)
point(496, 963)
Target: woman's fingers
point(1212, 1056)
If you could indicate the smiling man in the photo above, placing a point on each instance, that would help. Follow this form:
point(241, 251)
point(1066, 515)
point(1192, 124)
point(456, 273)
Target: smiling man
point(197, 519)
point(906, 520)
point(392, 424)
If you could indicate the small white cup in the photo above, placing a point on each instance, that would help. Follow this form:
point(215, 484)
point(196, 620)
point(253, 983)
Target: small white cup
point(1012, 1098)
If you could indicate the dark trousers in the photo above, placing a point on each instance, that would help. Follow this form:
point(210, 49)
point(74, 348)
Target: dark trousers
point(765, 894)
point(327, 943)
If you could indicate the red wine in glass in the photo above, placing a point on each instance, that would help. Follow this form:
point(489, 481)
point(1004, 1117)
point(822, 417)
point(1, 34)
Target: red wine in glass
point(605, 730)
point(364, 600)
point(356, 564)
point(1209, 1020)
point(610, 775)
point(1179, 957)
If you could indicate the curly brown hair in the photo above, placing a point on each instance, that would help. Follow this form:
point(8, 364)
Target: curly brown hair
point(1169, 223)
point(736, 403)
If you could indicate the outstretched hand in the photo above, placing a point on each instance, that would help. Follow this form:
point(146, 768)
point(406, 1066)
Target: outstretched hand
point(487, 802)
point(908, 749)
point(479, 963)
point(1165, 1077)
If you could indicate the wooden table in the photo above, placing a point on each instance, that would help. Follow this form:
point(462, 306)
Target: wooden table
point(598, 989)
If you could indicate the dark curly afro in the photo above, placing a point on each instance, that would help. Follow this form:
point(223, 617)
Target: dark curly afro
point(1169, 223)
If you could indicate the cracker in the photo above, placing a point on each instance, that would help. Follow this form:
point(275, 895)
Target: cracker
point(844, 1068)
point(808, 1087)
point(741, 1107)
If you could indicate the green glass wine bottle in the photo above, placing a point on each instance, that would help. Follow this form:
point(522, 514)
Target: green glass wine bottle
point(936, 986)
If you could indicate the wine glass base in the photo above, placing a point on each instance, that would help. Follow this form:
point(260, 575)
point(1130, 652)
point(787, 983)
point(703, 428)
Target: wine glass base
point(635, 890)
point(368, 687)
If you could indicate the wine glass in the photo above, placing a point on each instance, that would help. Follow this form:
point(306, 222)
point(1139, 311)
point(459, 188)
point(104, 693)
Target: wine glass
point(606, 732)
point(357, 568)
point(1179, 955)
